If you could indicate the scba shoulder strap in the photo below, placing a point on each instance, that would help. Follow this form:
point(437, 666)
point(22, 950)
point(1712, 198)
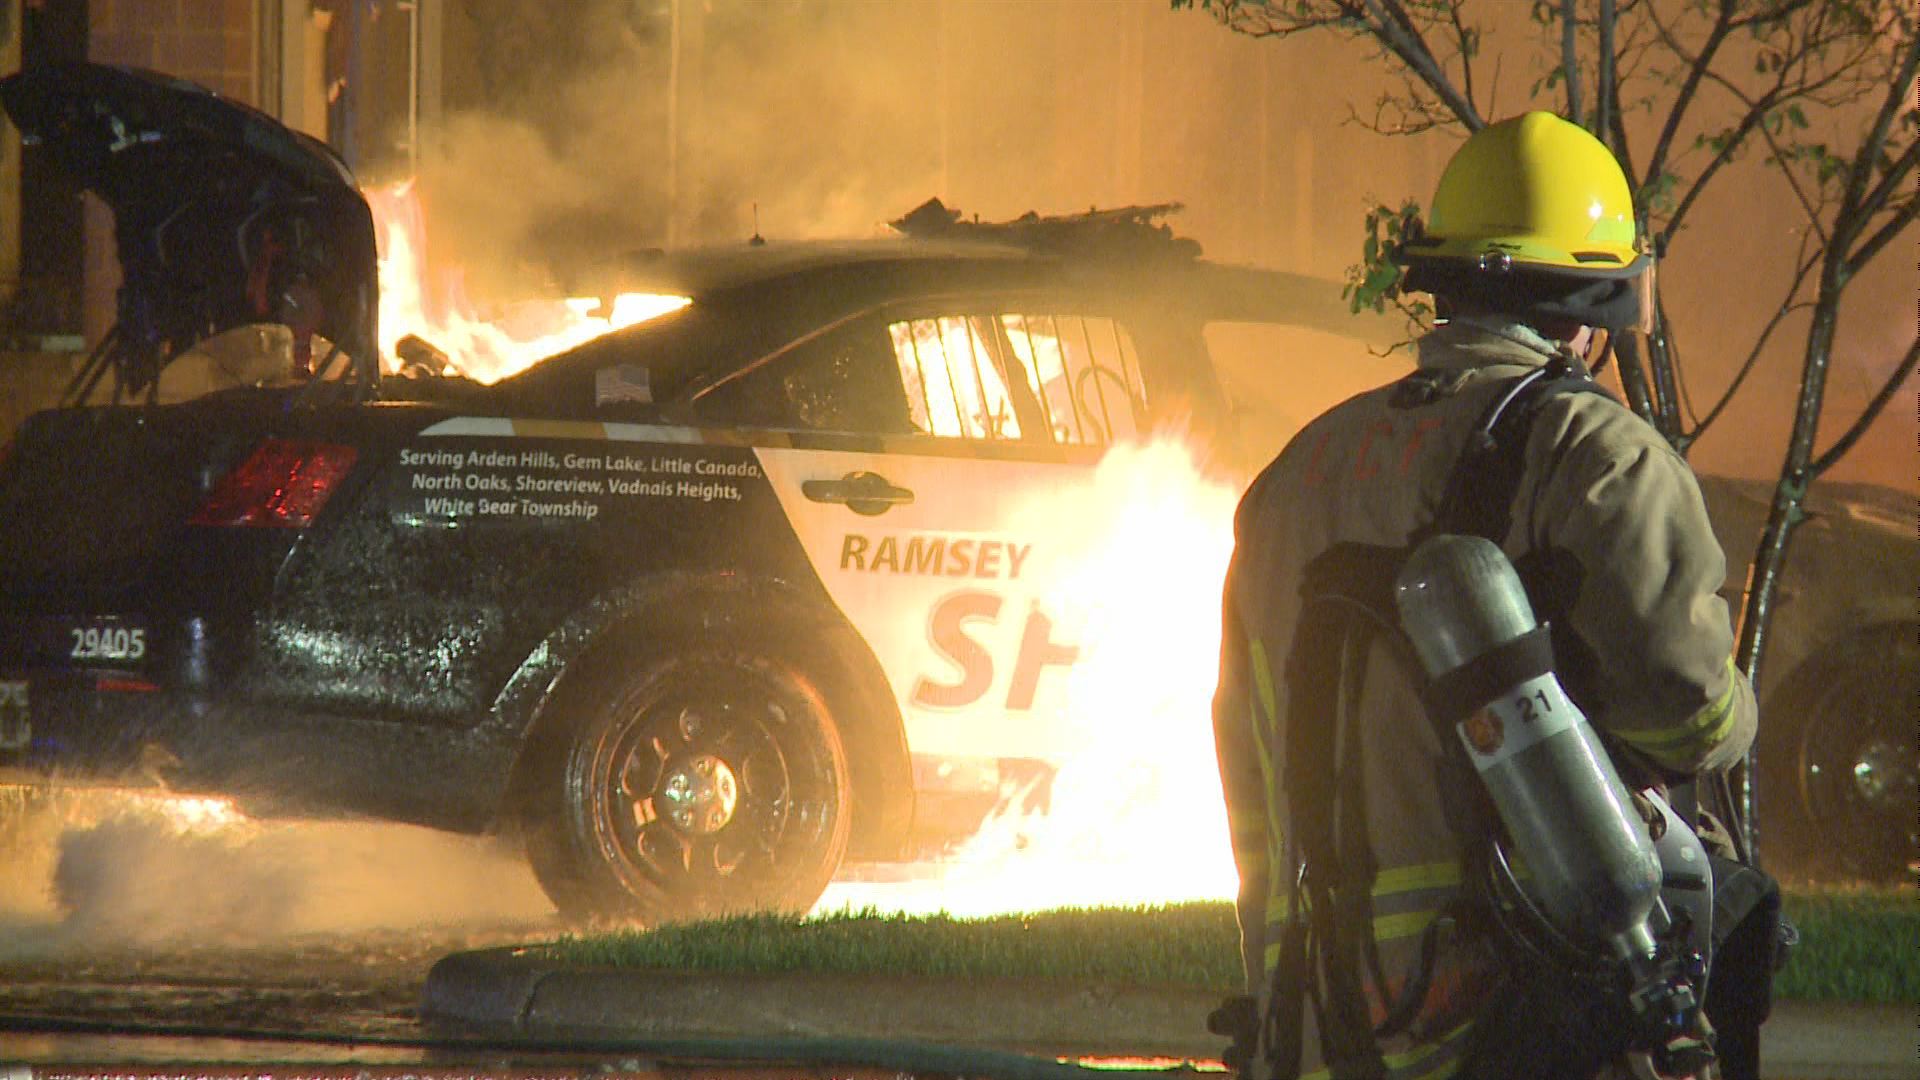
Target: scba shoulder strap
point(1481, 490)
point(1329, 954)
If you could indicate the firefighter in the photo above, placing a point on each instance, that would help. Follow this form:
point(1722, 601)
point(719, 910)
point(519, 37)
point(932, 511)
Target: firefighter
point(1531, 255)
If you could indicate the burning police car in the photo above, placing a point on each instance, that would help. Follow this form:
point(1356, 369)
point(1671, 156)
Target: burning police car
point(814, 565)
point(790, 574)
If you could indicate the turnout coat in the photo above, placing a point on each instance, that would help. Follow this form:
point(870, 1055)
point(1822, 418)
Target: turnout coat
point(1611, 523)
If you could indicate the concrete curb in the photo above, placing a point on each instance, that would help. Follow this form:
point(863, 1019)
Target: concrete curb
point(513, 992)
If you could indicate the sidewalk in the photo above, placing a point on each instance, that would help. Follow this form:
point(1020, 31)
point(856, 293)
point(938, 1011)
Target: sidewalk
point(505, 992)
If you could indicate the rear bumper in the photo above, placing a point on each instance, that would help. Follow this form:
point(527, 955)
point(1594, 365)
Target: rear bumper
point(80, 724)
point(99, 730)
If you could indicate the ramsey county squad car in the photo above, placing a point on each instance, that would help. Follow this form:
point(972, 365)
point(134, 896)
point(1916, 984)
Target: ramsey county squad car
point(703, 607)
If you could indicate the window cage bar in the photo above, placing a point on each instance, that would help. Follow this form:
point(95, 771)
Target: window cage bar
point(1066, 380)
point(1016, 379)
point(989, 425)
point(975, 420)
point(920, 374)
point(939, 334)
point(1039, 387)
point(1099, 384)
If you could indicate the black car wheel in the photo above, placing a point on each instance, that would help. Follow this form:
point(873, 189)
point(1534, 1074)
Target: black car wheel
point(1840, 775)
point(701, 784)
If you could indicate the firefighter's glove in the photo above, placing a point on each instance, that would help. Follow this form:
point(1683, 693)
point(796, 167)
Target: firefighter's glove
point(1237, 1018)
point(1714, 836)
point(1656, 822)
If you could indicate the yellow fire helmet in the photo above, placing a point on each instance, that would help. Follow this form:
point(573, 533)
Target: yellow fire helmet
point(1537, 191)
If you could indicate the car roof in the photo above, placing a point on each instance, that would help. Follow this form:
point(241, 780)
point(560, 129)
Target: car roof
point(750, 298)
point(705, 271)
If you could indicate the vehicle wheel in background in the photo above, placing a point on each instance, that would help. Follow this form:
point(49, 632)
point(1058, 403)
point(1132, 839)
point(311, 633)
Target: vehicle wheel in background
point(1839, 771)
point(697, 784)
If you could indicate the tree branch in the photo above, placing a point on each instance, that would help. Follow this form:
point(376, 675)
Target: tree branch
point(1859, 427)
point(1757, 108)
point(1786, 308)
point(1773, 15)
point(1400, 36)
point(1412, 121)
point(1570, 58)
point(1720, 159)
point(1896, 176)
point(1890, 106)
point(1620, 148)
point(1786, 169)
point(1696, 71)
point(1467, 49)
point(1264, 22)
point(1604, 93)
point(1864, 254)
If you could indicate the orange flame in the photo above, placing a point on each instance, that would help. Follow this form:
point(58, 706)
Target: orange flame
point(1135, 814)
point(481, 350)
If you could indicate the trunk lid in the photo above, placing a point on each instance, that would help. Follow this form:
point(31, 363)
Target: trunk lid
point(222, 216)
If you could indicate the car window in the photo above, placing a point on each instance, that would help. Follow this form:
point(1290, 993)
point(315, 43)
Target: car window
point(1066, 379)
point(843, 381)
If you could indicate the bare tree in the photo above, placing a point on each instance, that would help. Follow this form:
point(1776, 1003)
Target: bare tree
point(1822, 90)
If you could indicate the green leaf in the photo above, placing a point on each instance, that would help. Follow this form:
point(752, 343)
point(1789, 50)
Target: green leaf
point(1658, 192)
point(1799, 118)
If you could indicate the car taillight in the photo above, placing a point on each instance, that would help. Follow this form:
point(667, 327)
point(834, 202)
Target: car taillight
point(281, 484)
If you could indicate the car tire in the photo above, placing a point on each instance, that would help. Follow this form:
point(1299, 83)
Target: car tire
point(699, 784)
point(1838, 777)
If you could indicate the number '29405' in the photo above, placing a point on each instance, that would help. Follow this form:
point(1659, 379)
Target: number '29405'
point(108, 643)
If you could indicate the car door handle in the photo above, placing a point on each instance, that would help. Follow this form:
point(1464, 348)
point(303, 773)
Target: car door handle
point(861, 492)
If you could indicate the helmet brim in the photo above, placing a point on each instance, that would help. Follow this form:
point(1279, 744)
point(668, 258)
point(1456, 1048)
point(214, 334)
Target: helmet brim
point(1608, 297)
point(1497, 255)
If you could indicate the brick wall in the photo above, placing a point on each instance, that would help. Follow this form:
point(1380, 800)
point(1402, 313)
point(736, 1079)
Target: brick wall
point(210, 42)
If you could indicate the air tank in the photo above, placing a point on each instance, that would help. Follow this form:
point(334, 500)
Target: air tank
point(1589, 860)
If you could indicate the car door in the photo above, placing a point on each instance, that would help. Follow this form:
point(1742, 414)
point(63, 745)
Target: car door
point(939, 474)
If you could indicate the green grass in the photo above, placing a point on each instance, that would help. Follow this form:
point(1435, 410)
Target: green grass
point(1856, 945)
point(1192, 945)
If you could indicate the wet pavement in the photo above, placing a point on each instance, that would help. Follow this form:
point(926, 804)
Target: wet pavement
point(357, 998)
point(161, 950)
point(340, 987)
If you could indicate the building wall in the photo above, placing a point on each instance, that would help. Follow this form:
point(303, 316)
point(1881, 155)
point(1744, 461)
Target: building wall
point(210, 42)
point(10, 15)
